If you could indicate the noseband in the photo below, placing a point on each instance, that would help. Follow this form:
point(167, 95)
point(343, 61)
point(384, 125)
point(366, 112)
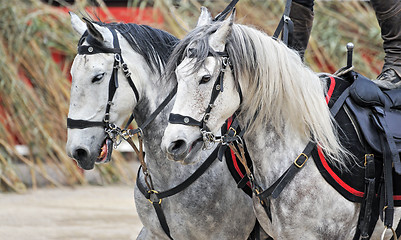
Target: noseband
point(95, 48)
point(217, 89)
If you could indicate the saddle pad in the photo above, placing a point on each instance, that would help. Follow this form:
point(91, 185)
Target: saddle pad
point(350, 182)
point(234, 165)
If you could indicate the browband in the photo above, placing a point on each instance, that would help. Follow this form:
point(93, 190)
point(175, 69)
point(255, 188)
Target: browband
point(92, 49)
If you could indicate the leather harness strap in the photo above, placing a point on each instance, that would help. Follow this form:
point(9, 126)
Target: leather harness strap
point(221, 16)
point(285, 26)
point(276, 188)
point(156, 197)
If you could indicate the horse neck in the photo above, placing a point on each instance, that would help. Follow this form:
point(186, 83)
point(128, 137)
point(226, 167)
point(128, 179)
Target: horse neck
point(152, 92)
point(153, 96)
point(272, 153)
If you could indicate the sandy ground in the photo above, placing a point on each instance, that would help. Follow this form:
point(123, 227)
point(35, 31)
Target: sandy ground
point(92, 212)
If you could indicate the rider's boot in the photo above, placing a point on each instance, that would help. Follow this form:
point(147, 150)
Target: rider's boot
point(388, 14)
point(302, 18)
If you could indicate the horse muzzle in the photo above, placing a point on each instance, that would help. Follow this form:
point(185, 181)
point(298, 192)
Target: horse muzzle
point(181, 148)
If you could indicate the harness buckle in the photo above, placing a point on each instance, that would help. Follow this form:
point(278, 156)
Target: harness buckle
point(206, 117)
point(301, 164)
point(126, 70)
point(208, 139)
point(106, 117)
point(368, 155)
point(153, 197)
point(384, 232)
point(232, 129)
point(286, 18)
point(117, 57)
point(224, 61)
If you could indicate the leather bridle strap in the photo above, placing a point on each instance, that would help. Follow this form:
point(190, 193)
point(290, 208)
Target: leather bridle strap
point(156, 197)
point(221, 16)
point(277, 187)
point(285, 25)
point(217, 88)
point(113, 83)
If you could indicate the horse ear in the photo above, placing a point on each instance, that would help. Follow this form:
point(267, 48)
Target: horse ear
point(218, 39)
point(95, 30)
point(77, 24)
point(204, 18)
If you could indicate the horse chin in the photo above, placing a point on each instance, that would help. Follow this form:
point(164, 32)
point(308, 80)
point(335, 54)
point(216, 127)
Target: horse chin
point(194, 153)
point(85, 165)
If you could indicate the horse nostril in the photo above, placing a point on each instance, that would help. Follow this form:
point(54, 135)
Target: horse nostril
point(80, 154)
point(176, 146)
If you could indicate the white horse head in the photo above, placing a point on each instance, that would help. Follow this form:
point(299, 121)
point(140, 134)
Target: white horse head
point(194, 91)
point(278, 90)
point(92, 80)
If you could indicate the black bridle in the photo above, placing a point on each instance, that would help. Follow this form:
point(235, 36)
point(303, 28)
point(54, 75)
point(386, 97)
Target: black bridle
point(110, 128)
point(113, 83)
point(216, 90)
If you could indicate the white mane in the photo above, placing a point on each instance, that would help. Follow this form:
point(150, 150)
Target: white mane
point(283, 91)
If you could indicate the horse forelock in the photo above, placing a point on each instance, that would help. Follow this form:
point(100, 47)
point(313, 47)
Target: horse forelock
point(154, 45)
point(195, 45)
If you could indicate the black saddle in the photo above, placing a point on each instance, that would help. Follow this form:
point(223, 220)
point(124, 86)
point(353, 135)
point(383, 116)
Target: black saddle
point(369, 126)
point(378, 114)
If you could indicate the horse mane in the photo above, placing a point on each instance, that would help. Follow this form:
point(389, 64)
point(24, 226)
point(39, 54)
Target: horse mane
point(154, 45)
point(283, 91)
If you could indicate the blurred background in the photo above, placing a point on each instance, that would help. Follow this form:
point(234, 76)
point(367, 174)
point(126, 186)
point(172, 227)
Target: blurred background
point(37, 46)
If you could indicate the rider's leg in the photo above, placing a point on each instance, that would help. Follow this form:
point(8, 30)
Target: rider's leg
point(302, 16)
point(388, 14)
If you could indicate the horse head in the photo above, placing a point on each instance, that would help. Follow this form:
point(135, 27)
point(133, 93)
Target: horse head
point(207, 93)
point(97, 98)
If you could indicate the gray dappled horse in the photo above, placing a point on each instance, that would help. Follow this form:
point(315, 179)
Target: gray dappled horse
point(281, 102)
point(212, 207)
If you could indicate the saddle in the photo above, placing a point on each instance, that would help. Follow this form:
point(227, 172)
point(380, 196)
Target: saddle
point(369, 126)
point(378, 114)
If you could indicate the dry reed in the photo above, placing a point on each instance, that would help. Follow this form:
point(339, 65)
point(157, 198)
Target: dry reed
point(34, 90)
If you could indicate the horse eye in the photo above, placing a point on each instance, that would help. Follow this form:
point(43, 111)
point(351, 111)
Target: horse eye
point(205, 79)
point(97, 78)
